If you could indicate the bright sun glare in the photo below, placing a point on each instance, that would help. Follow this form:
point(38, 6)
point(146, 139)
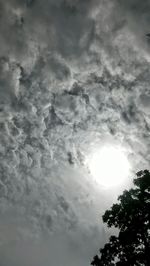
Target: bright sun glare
point(109, 166)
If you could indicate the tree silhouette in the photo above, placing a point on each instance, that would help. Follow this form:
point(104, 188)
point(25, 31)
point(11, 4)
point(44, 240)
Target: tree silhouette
point(132, 217)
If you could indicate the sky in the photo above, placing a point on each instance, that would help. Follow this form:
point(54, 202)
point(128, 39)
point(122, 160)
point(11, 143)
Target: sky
point(74, 76)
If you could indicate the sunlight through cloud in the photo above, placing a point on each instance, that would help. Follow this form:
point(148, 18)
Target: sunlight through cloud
point(109, 166)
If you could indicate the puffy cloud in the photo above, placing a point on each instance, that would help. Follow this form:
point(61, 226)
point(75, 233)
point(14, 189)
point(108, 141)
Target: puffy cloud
point(73, 74)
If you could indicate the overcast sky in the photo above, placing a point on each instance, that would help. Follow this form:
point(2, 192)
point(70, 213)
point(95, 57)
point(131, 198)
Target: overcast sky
point(74, 74)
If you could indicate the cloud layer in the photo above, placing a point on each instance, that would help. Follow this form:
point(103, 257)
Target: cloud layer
point(73, 74)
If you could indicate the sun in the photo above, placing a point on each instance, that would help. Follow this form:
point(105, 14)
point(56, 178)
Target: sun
point(109, 166)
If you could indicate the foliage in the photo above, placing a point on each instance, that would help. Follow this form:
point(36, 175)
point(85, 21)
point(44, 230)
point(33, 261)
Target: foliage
point(132, 217)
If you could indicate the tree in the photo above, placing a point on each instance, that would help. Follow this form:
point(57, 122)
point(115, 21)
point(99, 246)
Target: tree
point(132, 217)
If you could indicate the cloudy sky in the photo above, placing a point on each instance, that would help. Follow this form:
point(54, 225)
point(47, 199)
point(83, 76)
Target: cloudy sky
point(74, 76)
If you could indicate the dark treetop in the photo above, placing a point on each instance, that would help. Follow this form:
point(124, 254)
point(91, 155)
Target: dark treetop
point(132, 217)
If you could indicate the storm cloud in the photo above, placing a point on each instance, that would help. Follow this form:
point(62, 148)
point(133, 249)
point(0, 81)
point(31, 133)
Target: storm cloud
point(73, 75)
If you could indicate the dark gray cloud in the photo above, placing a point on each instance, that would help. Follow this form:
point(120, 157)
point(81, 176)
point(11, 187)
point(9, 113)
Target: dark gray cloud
point(63, 26)
point(73, 75)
